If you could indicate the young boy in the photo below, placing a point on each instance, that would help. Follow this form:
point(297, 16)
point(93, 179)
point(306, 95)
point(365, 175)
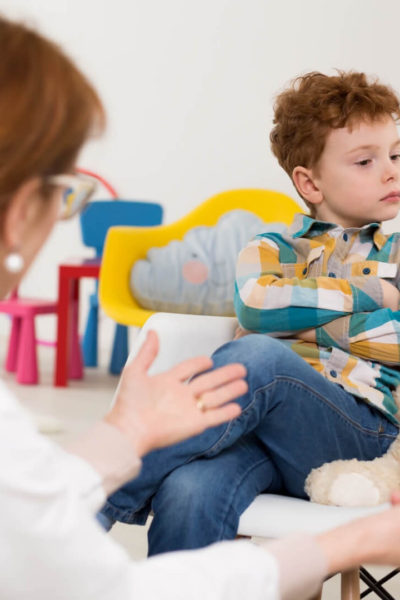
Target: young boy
point(328, 288)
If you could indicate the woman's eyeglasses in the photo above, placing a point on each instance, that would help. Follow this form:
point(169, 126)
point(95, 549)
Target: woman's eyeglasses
point(77, 192)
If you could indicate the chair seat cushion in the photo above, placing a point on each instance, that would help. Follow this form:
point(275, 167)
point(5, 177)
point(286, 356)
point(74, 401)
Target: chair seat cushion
point(196, 275)
point(274, 516)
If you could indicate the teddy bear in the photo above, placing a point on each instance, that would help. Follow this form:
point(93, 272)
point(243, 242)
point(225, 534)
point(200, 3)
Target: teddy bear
point(354, 482)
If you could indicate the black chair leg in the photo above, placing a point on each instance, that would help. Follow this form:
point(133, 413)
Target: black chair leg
point(375, 585)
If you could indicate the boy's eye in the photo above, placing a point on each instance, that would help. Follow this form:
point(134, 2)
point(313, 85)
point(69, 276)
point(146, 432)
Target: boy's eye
point(395, 157)
point(363, 163)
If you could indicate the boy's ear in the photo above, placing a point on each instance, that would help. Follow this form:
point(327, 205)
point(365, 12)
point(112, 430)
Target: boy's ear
point(306, 185)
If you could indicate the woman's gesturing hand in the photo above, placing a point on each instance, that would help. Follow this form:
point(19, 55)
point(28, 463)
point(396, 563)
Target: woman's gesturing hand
point(159, 410)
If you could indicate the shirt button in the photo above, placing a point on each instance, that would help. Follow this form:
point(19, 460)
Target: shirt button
point(366, 271)
point(304, 270)
point(333, 373)
point(345, 237)
point(331, 274)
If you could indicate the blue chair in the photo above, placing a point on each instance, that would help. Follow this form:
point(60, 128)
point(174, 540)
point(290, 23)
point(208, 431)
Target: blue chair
point(96, 220)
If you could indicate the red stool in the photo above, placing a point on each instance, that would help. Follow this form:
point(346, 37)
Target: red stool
point(21, 355)
point(68, 364)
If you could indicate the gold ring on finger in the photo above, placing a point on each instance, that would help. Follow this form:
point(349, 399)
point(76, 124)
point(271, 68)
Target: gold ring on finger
point(200, 404)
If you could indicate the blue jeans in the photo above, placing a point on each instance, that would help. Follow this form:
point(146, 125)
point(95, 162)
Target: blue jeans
point(292, 420)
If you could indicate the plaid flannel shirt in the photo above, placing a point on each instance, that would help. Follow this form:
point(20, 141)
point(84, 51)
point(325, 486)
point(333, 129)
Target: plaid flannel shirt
point(321, 276)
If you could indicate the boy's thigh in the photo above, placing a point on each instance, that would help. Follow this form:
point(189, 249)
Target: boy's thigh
point(312, 421)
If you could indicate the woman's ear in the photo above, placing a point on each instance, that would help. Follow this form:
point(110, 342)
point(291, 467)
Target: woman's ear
point(20, 216)
point(305, 182)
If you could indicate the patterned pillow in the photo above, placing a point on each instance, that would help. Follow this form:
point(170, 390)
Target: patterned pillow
point(197, 275)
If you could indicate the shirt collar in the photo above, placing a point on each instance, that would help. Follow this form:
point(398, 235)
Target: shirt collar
point(306, 226)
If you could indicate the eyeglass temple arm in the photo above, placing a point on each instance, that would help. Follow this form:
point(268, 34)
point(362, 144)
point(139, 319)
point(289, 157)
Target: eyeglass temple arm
point(103, 181)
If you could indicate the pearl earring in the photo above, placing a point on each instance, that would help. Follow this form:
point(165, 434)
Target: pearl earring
point(13, 262)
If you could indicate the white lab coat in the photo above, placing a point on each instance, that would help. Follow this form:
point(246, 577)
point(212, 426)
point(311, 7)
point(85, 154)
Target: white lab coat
point(52, 548)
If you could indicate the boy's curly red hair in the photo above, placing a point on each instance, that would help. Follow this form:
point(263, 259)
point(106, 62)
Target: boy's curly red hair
point(315, 103)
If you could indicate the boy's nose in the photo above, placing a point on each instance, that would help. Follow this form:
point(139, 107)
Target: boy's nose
point(391, 171)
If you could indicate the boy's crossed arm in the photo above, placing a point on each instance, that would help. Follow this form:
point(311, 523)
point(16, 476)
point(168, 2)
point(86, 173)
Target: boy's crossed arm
point(372, 336)
point(267, 302)
point(370, 333)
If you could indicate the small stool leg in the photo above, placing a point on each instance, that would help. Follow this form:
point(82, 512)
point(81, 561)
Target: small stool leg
point(62, 354)
point(75, 357)
point(13, 344)
point(89, 341)
point(350, 585)
point(120, 350)
point(27, 371)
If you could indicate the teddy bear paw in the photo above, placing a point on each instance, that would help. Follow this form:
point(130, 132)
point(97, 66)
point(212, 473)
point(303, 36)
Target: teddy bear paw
point(353, 489)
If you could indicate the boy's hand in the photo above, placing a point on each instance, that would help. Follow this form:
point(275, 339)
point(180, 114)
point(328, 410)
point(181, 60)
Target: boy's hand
point(391, 295)
point(308, 335)
point(159, 410)
point(240, 332)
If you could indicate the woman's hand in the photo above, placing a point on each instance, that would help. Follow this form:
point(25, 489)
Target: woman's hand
point(369, 540)
point(159, 410)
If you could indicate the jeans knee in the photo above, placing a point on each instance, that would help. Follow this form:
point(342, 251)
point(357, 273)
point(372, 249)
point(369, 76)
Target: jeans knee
point(254, 350)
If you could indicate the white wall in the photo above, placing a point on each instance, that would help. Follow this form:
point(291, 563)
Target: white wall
point(188, 86)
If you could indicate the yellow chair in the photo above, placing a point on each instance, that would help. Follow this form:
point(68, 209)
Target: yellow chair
point(125, 245)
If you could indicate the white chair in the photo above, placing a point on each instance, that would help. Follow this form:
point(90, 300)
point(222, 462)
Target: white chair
point(269, 516)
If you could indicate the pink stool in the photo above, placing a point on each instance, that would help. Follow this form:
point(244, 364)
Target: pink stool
point(21, 355)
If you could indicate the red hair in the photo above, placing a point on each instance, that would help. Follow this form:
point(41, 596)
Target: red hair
point(314, 104)
point(47, 108)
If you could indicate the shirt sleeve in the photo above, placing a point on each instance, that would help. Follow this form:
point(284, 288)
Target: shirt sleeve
point(302, 567)
point(372, 336)
point(109, 453)
point(288, 569)
point(266, 301)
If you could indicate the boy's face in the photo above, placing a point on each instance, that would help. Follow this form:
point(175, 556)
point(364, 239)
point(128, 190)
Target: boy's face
point(358, 175)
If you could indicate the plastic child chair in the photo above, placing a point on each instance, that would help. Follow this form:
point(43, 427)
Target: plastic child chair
point(95, 220)
point(21, 356)
point(125, 245)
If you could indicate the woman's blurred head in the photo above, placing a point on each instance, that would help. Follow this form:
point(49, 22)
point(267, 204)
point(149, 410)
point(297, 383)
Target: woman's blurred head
point(47, 111)
point(47, 108)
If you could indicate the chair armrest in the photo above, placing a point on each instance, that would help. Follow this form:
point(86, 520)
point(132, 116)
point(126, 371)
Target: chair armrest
point(184, 336)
